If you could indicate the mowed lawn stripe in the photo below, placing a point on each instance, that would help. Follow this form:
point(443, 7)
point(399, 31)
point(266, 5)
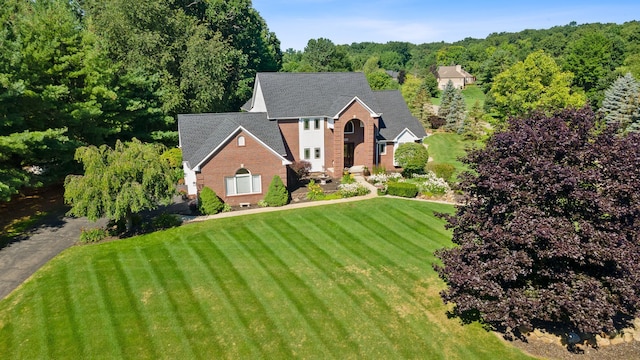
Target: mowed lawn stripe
point(353, 303)
point(385, 294)
point(307, 302)
point(346, 281)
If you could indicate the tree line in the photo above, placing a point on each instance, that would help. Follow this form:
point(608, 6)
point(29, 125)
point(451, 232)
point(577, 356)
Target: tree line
point(89, 72)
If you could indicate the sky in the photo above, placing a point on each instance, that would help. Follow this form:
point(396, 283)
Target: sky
point(347, 21)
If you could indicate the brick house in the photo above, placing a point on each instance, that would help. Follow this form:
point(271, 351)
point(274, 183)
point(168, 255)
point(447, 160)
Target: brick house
point(332, 120)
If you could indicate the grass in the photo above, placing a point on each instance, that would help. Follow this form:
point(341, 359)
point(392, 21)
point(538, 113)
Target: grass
point(471, 94)
point(344, 281)
point(450, 148)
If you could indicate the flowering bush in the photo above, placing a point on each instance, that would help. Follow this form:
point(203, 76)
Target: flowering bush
point(381, 179)
point(315, 191)
point(430, 184)
point(350, 190)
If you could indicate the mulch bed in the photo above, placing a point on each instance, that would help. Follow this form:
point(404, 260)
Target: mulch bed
point(551, 351)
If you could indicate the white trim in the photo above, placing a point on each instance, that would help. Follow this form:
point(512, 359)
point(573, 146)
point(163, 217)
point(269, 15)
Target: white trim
point(371, 112)
point(228, 138)
point(405, 130)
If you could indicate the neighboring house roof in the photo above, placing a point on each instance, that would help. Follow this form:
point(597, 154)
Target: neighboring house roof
point(295, 95)
point(202, 134)
point(396, 111)
point(452, 72)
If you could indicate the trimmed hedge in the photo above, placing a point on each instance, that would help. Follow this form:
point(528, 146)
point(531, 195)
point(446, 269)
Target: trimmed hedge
point(403, 189)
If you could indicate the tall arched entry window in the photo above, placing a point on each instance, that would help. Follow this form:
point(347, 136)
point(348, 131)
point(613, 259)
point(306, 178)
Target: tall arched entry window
point(243, 183)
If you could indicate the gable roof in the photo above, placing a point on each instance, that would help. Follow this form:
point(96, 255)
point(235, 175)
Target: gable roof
point(202, 134)
point(452, 72)
point(294, 95)
point(397, 113)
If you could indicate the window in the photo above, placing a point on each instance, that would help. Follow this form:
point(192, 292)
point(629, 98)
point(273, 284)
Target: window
point(243, 183)
point(241, 140)
point(307, 153)
point(348, 128)
point(306, 124)
point(382, 148)
point(316, 124)
point(316, 153)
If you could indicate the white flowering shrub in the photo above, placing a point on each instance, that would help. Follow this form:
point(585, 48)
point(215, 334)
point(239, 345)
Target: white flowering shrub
point(382, 179)
point(429, 183)
point(350, 190)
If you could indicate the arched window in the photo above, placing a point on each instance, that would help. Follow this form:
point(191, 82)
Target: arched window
point(241, 140)
point(243, 183)
point(349, 127)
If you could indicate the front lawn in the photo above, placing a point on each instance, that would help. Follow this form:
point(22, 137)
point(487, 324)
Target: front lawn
point(449, 148)
point(344, 281)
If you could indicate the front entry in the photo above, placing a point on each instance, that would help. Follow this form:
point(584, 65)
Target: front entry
point(348, 154)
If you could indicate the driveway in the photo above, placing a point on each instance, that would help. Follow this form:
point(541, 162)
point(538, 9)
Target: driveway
point(24, 256)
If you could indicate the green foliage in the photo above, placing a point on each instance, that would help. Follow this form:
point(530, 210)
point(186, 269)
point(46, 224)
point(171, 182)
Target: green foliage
point(403, 189)
point(353, 189)
point(166, 221)
point(442, 170)
point(621, 105)
point(412, 157)
point(322, 55)
point(119, 182)
point(277, 194)
point(378, 169)
point(347, 178)
point(314, 191)
point(380, 80)
point(208, 202)
point(93, 235)
point(537, 83)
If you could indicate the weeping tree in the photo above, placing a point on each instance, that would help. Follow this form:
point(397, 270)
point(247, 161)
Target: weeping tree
point(119, 182)
point(549, 233)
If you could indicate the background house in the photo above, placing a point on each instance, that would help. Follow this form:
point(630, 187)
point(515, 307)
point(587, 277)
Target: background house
point(332, 120)
point(456, 74)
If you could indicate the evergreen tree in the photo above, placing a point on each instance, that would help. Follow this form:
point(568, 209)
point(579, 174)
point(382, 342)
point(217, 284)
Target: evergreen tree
point(621, 104)
point(277, 194)
point(452, 108)
point(473, 122)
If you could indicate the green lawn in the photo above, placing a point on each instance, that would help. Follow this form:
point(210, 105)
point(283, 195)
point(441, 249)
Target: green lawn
point(471, 93)
point(449, 148)
point(342, 281)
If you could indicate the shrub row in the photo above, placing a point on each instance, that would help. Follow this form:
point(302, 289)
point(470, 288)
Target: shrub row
point(403, 189)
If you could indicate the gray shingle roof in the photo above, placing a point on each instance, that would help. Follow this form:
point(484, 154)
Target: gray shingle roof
point(293, 95)
point(202, 133)
point(396, 116)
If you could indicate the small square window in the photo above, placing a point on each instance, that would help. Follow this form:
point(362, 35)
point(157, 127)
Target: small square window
point(307, 153)
point(316, 153)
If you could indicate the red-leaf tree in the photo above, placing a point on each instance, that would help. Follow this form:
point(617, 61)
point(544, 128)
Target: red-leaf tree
point(548, 235)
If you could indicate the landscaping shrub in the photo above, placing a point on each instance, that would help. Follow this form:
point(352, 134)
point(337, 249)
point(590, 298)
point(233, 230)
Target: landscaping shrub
point(209, 202)
point(442, 170)
point(430, 184)
point(93, 235)
point(166, 221)
point(403, 189)
point(300, 168)
point(347, 178)
point(436, 121)
point(353, 189)
point(378, 169)
point(315, 191)
point(412, 157)
point(277, 195)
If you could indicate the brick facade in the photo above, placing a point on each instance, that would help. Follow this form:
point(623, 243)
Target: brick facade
point(363, 138)
point(253, 156)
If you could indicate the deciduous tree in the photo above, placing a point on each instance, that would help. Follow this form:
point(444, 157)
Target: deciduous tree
point(549, 232)
point(119, 182)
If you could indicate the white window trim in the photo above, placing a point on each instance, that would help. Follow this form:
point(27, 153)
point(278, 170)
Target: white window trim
point(255, 184)
point(317, 153)
point(382, 145)
point(353, 127)
point(306, 154)
point(241, 141)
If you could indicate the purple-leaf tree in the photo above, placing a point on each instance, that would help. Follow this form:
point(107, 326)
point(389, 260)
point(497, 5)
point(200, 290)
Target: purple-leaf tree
point(548, 235)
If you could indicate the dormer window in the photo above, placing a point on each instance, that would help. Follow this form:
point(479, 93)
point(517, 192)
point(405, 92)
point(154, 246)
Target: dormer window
point(241, 141)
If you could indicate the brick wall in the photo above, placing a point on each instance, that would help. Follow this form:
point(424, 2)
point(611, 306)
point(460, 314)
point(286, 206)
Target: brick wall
point(365, 149)
point(253, 156)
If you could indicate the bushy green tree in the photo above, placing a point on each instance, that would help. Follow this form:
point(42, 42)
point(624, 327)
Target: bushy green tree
point(412, 157)
point(621, 104)
point(322, 55)
point(380, 80)
point(452, 108)
point(277, 194)
point(537, 83)
point(119, 182)
point(208, 202)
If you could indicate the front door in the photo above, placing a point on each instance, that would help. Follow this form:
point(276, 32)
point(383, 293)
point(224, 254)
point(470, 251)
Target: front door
point(348, 154)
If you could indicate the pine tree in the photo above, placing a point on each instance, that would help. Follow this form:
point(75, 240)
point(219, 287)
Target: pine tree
point(452, 108)
point(621, 104)
point(277, 195)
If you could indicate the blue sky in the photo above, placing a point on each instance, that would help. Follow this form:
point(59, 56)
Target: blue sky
point(348, 21)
